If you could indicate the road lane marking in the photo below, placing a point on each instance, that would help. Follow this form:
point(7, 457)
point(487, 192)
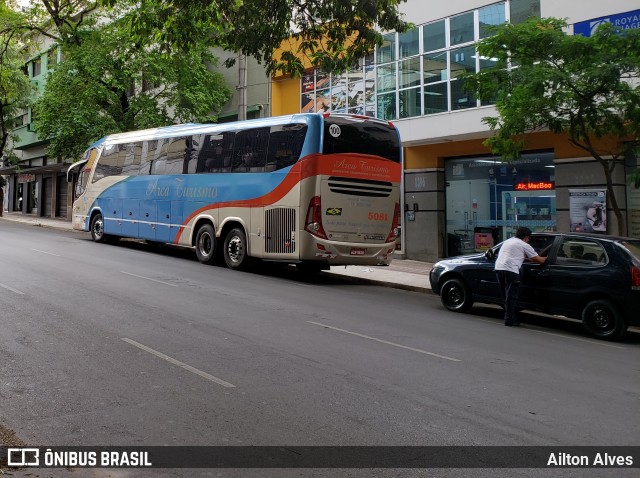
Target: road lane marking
point(11, 289)
point(45, 252)
point(149, 278)
point(183, 365)
point(385, 342)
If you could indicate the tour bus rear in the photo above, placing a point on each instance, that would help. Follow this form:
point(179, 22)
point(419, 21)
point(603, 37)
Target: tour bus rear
point(354, 205)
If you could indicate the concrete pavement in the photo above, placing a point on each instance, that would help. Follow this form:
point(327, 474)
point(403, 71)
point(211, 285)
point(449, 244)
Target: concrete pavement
point(401, 274)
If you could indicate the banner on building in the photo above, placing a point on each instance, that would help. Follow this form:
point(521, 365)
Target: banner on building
point(588, 210)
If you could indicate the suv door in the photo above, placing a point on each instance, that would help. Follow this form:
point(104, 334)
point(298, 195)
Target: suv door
point(533, 276)
point(576, 269)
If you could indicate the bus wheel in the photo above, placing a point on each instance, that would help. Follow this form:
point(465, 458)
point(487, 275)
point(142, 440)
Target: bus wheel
point(206, 244)
point(97, 229)
point(235, 250)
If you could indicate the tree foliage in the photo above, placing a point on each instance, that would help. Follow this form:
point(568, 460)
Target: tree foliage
point(91, 93)
point(108, 82)
point(585, 87)
point(332, 34)
point(15, 89)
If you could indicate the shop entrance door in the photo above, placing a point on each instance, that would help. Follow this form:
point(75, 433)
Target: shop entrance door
point(468, 206)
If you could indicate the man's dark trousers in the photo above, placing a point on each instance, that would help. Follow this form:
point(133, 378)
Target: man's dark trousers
point(509, 284)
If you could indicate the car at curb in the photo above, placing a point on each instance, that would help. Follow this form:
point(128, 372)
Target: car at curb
point(589, 277)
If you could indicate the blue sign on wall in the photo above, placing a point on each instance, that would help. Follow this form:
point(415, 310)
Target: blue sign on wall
point(623, 21)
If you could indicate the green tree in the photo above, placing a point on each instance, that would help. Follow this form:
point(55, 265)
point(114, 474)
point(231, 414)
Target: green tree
point(332, 34)
point(91, 93)
point(15, 89)
point(108, 82)
point(584, 87)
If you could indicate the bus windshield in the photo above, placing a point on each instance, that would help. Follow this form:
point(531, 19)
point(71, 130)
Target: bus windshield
point(362, 137)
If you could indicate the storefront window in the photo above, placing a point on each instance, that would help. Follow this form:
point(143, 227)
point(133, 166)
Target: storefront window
point(409, 43)
point(488, 16)
point(487, 200)
point(462, 29)
point(413, 73)
point(434, 36)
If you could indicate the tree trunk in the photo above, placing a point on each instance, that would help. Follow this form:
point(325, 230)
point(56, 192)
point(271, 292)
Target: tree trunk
point(611, 197)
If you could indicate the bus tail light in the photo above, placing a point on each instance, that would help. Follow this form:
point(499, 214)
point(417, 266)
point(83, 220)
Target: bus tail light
point(393, 233)
point(313, 224)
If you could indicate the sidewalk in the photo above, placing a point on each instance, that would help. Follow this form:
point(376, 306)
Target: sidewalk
point(401, 274)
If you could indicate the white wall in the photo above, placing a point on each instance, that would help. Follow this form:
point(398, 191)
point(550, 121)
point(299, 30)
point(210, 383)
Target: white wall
point(423, 11)
point(579, 11)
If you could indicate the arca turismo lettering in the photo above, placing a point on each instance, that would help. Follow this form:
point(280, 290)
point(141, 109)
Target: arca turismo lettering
point(155, 190)
point(600, 459)
point(361, 165)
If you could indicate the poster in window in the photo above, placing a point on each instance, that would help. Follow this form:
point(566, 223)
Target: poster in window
point(588, 210)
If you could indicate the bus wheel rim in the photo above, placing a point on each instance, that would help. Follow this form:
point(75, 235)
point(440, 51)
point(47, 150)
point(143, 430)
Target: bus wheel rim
point(98, 228)
point(235, 249)
point(205, 244)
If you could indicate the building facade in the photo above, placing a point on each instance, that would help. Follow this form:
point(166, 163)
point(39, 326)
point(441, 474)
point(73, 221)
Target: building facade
point(457, 197)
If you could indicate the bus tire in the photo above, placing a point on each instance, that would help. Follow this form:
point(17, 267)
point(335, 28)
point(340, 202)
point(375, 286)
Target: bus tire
point(235, 250)
point(206, 244)
point(97, 229)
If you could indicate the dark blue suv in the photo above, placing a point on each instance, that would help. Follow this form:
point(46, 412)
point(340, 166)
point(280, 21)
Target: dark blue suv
point(593, 278)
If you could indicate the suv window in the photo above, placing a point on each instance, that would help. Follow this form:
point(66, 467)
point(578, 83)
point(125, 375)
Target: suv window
point(580, 251)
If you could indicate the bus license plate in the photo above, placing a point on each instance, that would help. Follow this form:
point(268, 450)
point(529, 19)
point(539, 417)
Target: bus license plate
point(357, 251)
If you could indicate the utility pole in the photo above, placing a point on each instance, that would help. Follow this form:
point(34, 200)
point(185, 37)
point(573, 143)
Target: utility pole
point(242, 87)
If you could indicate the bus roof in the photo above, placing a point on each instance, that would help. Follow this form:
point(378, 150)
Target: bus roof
point(188, 129)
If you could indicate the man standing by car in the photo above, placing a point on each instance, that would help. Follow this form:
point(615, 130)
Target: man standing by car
point(513, 253)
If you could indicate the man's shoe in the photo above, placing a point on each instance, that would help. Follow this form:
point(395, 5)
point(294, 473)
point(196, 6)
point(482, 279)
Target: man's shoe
point(509, 324)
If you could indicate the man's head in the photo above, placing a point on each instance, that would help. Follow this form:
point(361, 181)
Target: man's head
point(523, 233)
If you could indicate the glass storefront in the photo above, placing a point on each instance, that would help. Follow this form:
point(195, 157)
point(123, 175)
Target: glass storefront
point(487, 200)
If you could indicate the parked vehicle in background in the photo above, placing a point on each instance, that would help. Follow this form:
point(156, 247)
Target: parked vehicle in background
point(310, 189)
point(589, 277)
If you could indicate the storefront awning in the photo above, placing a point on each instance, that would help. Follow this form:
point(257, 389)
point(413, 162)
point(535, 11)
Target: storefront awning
point(49, 168)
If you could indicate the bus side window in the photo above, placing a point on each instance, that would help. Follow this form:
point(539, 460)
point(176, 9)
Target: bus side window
point(176, 152)
point(131, 164)
point(195, 145)
point(285, 145)
point(108, 163)
point(159, 161)
point(148, 150)
point(216, 153)
point(250, 150)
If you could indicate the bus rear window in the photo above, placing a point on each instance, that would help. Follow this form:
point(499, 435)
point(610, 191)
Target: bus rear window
point(363, 136)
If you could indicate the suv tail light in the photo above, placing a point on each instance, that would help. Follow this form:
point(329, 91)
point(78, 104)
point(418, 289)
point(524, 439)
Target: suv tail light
point(393, 233)
point(313, 223)
point(635, 277)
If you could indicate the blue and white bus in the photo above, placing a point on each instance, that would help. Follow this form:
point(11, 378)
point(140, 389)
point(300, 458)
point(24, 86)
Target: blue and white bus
point(309, 189)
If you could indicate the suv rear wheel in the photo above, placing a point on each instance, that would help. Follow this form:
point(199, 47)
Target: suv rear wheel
point(603, 320)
